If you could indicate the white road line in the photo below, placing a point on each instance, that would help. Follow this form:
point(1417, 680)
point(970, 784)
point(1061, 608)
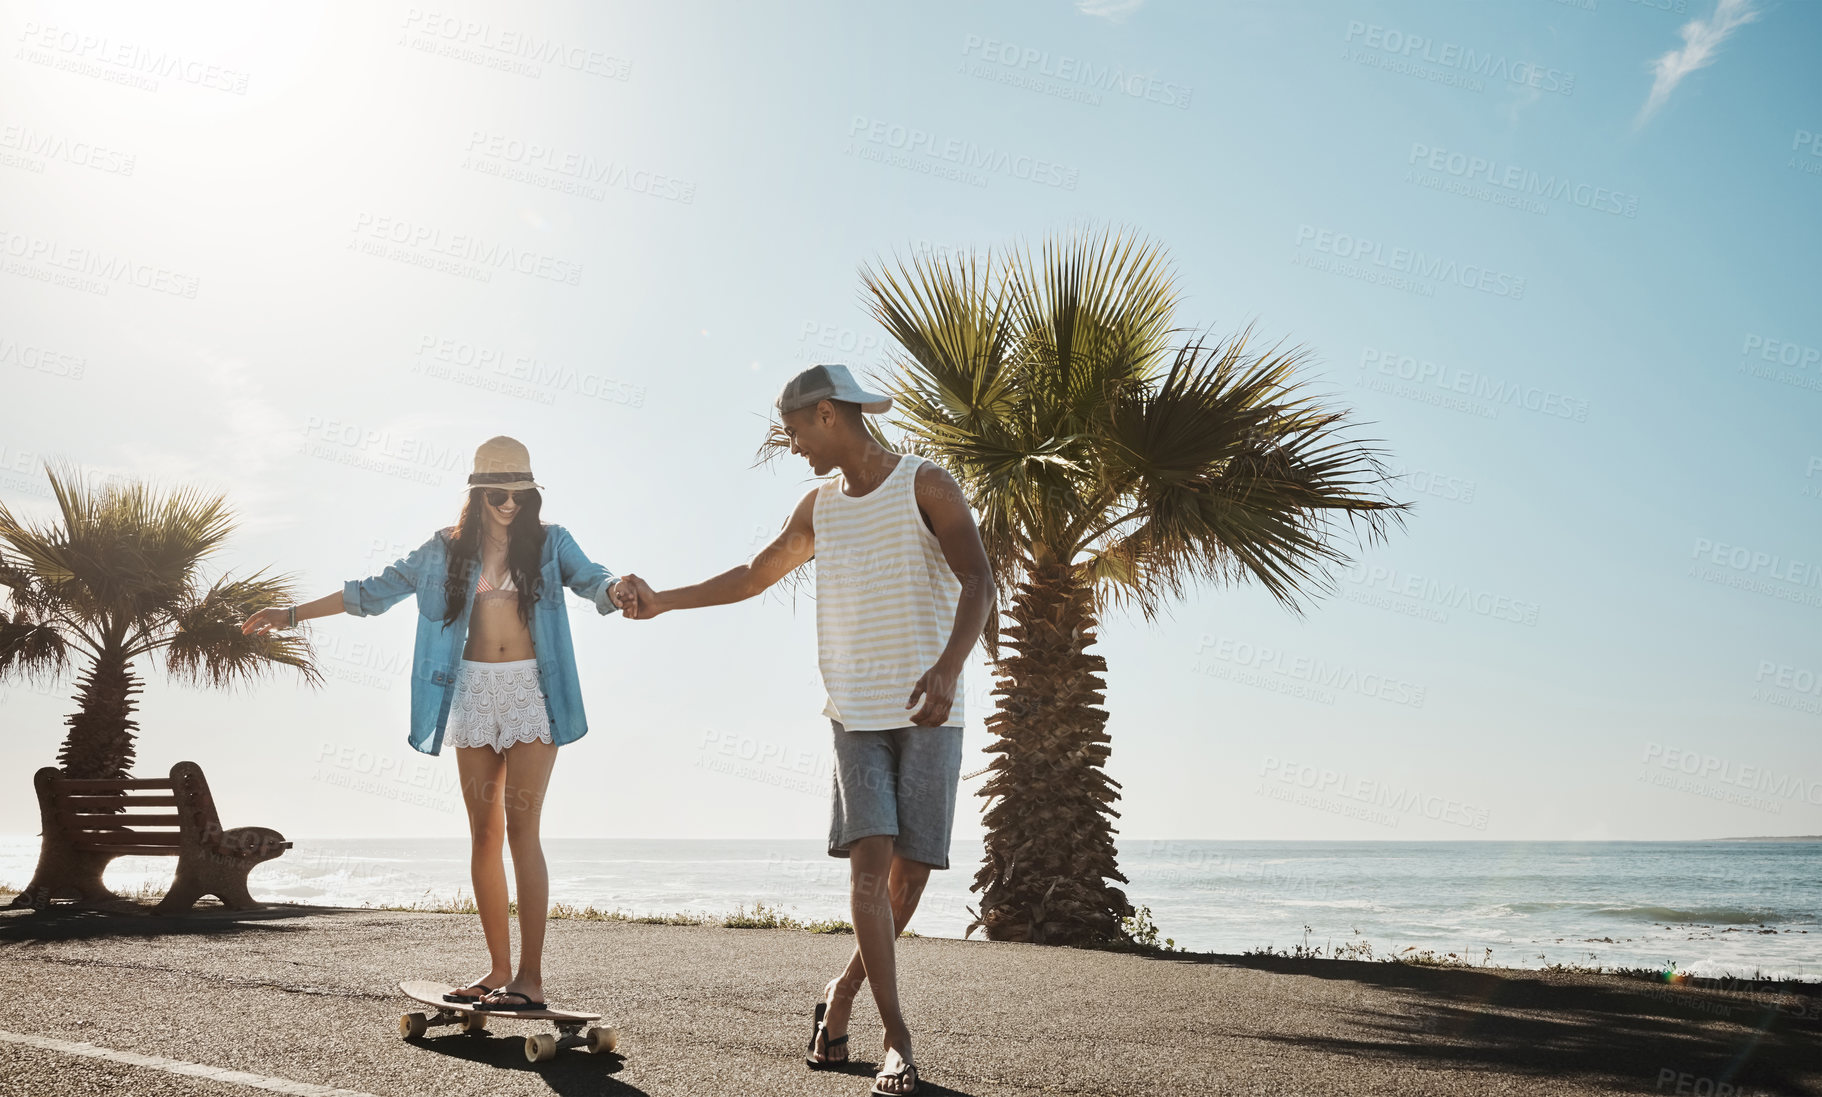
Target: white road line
point(178, 1066)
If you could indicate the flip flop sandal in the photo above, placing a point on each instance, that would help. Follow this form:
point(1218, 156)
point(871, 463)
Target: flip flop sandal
point(503, 1006)
point(821, 1032)
point(485, 991)
point(904, 1073)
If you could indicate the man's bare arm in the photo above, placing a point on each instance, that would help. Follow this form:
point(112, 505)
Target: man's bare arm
point(940, 498)
point(795, 545)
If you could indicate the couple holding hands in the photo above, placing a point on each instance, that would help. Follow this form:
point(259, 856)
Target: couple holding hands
point(903, 590)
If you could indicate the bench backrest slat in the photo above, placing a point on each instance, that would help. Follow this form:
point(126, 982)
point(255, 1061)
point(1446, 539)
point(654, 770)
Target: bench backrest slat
point(129, 850)
point(154, 845)
point(81, 821)
point(79, 786)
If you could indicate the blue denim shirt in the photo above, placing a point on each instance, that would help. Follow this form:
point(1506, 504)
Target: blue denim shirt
point(438, 649)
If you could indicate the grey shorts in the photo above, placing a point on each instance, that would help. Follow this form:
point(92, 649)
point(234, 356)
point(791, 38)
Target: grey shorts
point(900, 782)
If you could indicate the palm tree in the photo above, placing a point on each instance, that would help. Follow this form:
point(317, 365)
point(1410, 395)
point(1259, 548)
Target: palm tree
point(119, 578)
point(1114, 464)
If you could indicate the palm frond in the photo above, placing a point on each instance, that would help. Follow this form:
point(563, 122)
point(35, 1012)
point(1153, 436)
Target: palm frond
point(31, 647)
point(1093, 316)
point(1231, 471)
point(206, 647)
point(124, 552)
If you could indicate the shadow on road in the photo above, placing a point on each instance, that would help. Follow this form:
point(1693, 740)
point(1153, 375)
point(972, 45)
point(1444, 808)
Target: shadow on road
point(577, 1074)
point(66, 922)
point(867, 1070)
point(1637, 1033)
point(572, 1073)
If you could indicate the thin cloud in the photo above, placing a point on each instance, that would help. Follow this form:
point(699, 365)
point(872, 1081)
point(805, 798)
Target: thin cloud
point(1111, 10)
point(1700, 43)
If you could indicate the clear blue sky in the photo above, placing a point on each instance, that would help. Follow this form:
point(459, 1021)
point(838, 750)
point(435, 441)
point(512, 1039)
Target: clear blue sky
point(1559, 258)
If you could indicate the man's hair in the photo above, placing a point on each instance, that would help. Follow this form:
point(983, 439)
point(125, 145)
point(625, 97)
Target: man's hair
point(847, 410)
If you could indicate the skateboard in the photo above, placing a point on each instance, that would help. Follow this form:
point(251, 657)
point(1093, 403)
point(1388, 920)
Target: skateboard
point(573, 1029)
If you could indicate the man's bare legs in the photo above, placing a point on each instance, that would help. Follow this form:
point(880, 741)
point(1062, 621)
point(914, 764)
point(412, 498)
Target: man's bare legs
point(884, 892)
point(528, 767)
point(483, 771)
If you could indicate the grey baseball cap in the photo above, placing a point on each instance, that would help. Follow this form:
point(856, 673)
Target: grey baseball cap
point(828, 382)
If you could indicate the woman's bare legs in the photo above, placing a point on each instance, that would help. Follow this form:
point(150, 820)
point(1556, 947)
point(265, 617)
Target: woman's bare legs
point(483, 773)
point(528, 767)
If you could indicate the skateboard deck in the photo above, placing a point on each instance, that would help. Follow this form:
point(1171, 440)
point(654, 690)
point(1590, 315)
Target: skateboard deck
point(574, 1029)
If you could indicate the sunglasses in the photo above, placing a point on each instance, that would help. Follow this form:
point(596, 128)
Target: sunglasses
point(496, 497)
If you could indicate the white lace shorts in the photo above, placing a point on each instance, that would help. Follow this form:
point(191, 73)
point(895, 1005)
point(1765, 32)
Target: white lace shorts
point(497, 705)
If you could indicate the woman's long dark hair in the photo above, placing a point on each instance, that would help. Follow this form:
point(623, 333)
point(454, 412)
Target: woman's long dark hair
point(524, 548)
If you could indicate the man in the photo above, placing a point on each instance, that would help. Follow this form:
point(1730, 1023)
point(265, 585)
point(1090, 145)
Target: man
point(903, 590)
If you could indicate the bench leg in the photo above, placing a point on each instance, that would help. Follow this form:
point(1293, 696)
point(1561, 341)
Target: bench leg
point(200, 874)
point(64, 873)
point(180, 898)
point(233, 893)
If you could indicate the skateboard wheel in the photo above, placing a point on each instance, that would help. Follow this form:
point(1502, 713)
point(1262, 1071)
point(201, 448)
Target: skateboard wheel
point(413, 1025)
point(602, 1040)
point(474, 1023)
point(540, 1048)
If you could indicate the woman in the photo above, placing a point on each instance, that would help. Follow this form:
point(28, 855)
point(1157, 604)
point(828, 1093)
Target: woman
point(491, 589)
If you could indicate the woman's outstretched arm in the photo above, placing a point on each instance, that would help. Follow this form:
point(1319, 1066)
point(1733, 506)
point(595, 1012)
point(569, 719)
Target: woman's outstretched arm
point(280, 616)
point(360, 597)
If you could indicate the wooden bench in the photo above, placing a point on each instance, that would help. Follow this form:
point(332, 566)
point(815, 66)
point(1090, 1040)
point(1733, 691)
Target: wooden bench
point(89, 823)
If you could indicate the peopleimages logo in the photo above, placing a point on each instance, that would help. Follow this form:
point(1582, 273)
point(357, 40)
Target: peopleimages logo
point(1442, 593)
point(1724, 771)
point(35, 146)
point(1074, 70)
point(430, 240)
point(1806, 141)
point(1409, 261)
point(1757, 563)
point(1405, 801)
point(1522, 181)
point(128, 63)
point(42, 359)
point(1449, 55)
point(912, 142)
point(1782, 351)
point(568, 171)
point(381, 443)
point(509, 45)
point(1303, 668)
point(92, 271)
point(1785, 686)
point(1475, 384)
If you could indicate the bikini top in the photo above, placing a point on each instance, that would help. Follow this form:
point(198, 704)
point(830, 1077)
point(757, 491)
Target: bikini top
point(483, 590)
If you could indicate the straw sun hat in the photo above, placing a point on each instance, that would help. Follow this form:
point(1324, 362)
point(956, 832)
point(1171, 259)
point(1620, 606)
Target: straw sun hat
point(502, 462)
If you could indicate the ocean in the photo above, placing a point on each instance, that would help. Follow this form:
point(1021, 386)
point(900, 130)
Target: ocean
point(1710, 908)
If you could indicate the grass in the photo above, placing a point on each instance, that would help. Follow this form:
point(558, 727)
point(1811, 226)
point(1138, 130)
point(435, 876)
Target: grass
point(1142, 935)
point(1141, 931)
point(142, 893)
point(760, 917)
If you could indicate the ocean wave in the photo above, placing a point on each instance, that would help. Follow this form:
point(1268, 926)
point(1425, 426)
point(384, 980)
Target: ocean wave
point(1720, 915)
point(1727, 916)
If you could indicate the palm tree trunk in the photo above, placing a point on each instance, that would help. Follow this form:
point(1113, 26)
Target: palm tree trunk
point(100, 739)
point(1050, 849)
point(99, 745)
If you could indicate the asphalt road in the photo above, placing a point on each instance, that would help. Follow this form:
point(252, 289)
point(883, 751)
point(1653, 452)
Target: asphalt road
point(302, 998)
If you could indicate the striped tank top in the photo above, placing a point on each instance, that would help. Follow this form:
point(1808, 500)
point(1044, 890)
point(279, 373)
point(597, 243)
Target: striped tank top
point(885, 600)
